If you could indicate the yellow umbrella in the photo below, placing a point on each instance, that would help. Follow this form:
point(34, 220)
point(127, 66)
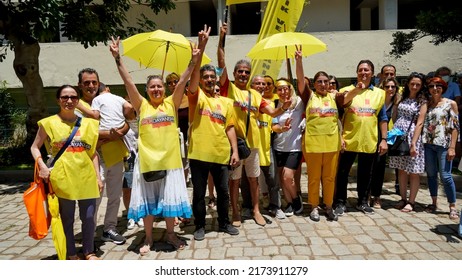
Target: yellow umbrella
point(282, 46)
point(57, 230)
point(161, 50)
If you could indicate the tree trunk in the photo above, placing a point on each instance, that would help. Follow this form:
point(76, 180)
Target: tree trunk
point(26, 67)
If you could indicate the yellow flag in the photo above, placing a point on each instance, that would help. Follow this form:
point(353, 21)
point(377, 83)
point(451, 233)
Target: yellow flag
point(280, 16)
point(232, 2)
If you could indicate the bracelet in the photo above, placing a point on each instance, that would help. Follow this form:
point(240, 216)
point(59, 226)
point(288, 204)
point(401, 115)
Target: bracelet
point(384, 139)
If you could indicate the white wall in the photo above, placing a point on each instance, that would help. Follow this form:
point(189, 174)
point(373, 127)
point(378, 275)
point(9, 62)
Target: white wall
point(60, 62)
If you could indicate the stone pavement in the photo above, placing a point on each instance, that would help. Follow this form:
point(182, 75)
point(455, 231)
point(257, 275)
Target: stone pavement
point(388, 234)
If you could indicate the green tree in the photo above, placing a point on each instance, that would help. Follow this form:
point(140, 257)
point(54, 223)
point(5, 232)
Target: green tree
point(443, 23)
point(26, 23)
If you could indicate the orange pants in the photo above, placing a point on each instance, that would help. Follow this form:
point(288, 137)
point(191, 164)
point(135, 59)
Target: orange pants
point(321, 169)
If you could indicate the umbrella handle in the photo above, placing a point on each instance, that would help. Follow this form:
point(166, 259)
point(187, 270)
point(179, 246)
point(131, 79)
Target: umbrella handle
point(225, 20)
point(165, 58)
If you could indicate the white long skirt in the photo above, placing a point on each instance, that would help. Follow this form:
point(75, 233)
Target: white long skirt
point(167, 197)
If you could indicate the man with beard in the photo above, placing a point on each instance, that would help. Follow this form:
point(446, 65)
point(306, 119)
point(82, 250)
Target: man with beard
point(211, 140)
point(246, 101)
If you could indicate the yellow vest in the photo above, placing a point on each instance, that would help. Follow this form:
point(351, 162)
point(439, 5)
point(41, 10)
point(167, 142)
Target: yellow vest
point(208, 140)
point(158, 140)
point(73, 176)
point(321, 131)
point(360, 120)
point(264, 125)
point(240, 105)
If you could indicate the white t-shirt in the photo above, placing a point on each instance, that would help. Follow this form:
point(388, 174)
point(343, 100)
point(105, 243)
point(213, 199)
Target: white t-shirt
point(291, 140)
point(110, 108)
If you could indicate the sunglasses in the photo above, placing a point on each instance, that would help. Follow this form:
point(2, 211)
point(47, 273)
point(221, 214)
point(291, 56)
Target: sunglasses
point(174, 82)
point(389, 86)
point(333, 83)
point(66, 97)
point(437, 86)
point(243, 71)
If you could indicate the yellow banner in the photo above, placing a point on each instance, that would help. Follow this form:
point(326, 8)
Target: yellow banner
point(280, 16)
point(232, 2)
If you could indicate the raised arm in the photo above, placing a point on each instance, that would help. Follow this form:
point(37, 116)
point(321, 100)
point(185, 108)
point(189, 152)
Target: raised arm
point(221, 53)
point(177, 95)
point(133, 93)
point(195, 76)
point(302, 86)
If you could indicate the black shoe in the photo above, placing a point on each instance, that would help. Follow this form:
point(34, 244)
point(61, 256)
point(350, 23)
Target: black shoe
point(297, 205)
point(365, 208)
point(289, 210)
point(229, 229)
point(331, 216)
point(340, 209)
point(113, 236)
point(199, 234)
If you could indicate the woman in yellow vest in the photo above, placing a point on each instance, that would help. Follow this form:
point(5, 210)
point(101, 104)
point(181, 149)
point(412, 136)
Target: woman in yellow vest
point(75, 175)
point(159, 150)
point(321, 146)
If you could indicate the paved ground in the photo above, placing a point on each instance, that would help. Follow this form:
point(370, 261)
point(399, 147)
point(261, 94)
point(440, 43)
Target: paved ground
point(388, 234)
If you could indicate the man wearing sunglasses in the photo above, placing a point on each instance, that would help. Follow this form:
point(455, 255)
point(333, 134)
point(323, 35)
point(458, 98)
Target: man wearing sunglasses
point(241, 96)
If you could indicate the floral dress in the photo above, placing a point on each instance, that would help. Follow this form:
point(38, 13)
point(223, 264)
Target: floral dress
point(408, 110)
point(439, 123)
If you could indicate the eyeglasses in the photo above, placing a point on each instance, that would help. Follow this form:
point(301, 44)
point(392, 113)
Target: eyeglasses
point(206, 77)
point(173, 82)
point(66, 97)
point(389, 86)
point(240, 71)
point(437, 86)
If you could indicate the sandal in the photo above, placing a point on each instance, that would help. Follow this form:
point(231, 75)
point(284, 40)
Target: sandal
point(453, 214)
point(145, 249)
point(408, 208)
point(400, 205)
point(431, 208)
point(176, 242)
point(92, 257)
point(236, 220)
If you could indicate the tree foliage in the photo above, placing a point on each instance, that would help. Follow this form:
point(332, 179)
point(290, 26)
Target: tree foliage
point(442, 24)
point(85, 21)
point(26, 23)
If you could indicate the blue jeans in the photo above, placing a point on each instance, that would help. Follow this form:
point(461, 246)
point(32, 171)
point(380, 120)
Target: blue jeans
point(435, 161)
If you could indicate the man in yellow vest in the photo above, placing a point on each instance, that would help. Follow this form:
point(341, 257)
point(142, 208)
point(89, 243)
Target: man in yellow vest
point(212, 138)
point(364, 112)
point(246, 101)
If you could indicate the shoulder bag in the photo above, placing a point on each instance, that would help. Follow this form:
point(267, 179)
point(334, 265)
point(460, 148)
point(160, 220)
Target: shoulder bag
point(401, 147)
point(35, 197)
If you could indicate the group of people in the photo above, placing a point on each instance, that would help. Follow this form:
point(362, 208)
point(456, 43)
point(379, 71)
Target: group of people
point(283, 123)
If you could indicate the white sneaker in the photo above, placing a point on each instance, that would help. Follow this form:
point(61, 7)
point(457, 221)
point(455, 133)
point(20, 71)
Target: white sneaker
point(131, 224)
point(140, 223)
point(280, 214)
